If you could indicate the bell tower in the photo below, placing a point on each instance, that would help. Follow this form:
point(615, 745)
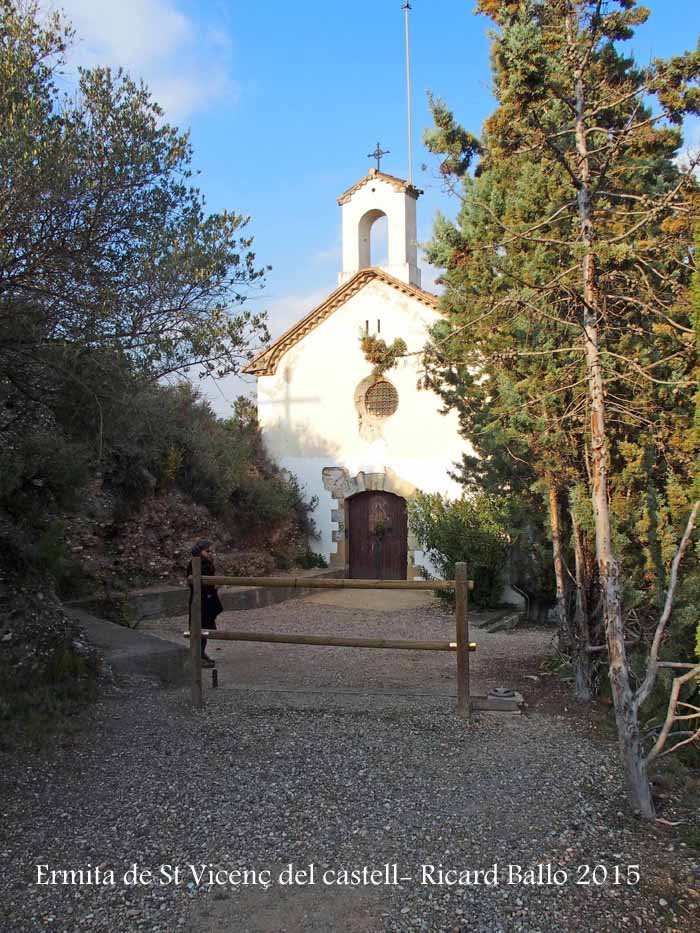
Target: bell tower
point(374, 196)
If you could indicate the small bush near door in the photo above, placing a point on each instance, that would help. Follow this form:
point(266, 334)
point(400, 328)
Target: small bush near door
point(310, 561)
point(468, 529)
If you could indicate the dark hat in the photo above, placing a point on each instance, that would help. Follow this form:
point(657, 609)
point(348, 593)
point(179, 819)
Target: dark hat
point(199, 547)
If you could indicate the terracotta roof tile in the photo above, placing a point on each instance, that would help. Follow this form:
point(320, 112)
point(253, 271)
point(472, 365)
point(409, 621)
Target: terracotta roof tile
point(265, 363)
point(399, 184)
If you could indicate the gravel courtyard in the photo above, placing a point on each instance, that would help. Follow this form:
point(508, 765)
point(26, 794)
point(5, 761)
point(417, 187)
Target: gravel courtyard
point(343, 760)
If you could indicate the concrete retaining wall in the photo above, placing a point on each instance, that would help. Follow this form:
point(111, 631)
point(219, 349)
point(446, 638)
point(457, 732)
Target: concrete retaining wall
point(133, 652)
point(162, 601)
point(130, 651)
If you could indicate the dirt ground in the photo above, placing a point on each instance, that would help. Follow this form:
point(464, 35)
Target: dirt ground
point(376, 683)
point(338, 762)
point(511, 661)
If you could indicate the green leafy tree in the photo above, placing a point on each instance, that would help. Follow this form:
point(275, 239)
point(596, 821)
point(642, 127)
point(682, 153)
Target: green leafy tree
point(515, 378)
point(114, 278)
point(105, 242)
point(573, 245)
point(471, 529)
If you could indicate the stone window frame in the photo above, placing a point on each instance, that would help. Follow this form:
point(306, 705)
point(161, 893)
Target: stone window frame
point(370, 425)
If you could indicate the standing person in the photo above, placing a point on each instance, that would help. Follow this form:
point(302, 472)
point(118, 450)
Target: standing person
point(211, 604)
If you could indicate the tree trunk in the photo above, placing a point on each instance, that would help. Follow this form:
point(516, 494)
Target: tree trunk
point(565, 640)
point(583, 690)
point(626, 713)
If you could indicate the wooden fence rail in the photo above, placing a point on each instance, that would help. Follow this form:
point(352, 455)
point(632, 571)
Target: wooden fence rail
point(315, 583)
point(330, 641)
point(462, 646)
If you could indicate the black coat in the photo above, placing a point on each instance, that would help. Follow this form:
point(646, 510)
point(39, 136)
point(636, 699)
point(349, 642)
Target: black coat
point(211, 604)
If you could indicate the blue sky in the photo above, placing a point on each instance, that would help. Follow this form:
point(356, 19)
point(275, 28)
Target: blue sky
point(285, 99)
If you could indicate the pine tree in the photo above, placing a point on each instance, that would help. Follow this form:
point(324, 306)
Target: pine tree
point(572, 243)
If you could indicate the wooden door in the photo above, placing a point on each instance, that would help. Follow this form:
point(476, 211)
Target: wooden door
point(378, 530)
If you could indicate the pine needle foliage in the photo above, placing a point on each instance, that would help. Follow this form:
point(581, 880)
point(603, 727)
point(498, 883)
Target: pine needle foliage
point(570, 345)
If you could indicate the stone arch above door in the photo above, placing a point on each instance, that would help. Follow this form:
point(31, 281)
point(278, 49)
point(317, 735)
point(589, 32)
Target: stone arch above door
point(342, 486)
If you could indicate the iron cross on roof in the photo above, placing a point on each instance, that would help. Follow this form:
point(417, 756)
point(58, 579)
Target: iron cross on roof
point(377, 154)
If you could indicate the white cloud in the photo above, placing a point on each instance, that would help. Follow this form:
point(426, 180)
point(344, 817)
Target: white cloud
point(689, 154)
point(284, 312)
point(185, 64)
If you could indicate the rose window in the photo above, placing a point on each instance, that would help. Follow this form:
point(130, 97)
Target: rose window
point(381, 399)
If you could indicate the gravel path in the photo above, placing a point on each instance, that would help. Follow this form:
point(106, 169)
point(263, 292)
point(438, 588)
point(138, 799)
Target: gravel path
point(498, 660)
point(352, 780)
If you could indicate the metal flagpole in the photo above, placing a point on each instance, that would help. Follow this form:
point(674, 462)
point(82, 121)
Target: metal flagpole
point(406, 8)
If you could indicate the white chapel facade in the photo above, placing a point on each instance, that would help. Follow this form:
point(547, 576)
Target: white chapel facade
point(362, 445)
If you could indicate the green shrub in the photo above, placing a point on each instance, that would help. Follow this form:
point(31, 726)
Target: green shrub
point(467, 529)
point(47, 670)
point(128, 476)
point(67, 683)
point(51, 550)
point(282, 561)
point(149, 438)
point(120, 611)
point(309, 561)
point(41, 472)
point(74, 582)
point(170, 469)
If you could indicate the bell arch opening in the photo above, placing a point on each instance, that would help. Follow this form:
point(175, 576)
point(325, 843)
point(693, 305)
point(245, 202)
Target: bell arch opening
point(373, 232)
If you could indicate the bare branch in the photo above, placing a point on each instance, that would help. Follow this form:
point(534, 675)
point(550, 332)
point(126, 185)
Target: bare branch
point(671, 717)
point(653, 665)
point(598, 649)
point(643, 370)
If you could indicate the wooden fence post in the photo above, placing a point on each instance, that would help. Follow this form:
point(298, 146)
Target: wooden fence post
point(461, 609)
point(196, 633)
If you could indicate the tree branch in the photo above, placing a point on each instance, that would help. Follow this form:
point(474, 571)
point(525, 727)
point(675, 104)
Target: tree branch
point(653, 665)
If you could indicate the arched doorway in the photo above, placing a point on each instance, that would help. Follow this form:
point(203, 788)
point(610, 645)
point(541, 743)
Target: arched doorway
point(378, 532)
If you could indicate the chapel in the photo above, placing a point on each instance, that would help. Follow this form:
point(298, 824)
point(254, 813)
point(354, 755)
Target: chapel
point(361, 444)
